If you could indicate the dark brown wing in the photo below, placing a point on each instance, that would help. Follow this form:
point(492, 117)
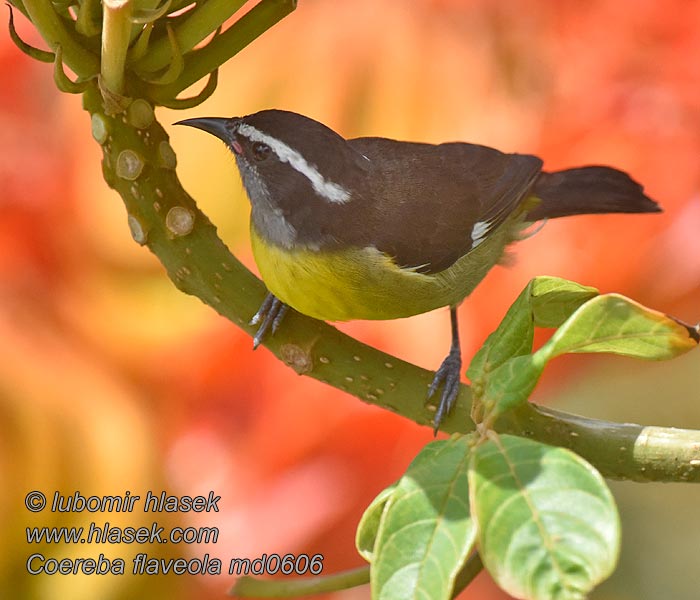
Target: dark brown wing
point(433, 204)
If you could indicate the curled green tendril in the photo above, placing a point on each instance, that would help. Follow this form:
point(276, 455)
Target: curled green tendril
point(207, 90)
point(177, 64)
point(19, 5)
point(62, 80)
point(88, 18)
point(140, 46)
point(180, 4)
point(62, 4)
point(144, 16)
point(31, 51)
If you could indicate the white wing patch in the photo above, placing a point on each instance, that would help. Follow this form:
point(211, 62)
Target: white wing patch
point(479, 232)
point(326, 189)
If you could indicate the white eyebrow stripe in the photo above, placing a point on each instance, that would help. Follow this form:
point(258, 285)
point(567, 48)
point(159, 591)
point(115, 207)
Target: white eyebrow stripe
point(327, 189)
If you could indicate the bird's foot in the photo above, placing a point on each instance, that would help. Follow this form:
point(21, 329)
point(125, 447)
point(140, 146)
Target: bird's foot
point(449, 374)
point(269, 316)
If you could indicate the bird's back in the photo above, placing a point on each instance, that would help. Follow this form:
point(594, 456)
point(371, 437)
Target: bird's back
point(431, 204)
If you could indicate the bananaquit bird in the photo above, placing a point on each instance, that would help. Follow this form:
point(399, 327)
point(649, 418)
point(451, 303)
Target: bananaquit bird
point(373, 228)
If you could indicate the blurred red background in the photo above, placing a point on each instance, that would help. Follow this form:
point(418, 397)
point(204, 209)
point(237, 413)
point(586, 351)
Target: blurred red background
point(112, 380)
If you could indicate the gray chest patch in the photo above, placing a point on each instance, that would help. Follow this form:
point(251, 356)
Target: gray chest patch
point(273, 226)
point(269, 219)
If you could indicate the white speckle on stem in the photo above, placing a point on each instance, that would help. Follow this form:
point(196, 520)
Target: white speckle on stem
point(99, 128)
point(138, 231)
point(179, 220)
point(129, 165)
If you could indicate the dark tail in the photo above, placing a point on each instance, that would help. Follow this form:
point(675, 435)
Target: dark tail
point(589, 190)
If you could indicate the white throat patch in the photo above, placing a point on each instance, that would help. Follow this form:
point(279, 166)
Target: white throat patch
point(326, 189)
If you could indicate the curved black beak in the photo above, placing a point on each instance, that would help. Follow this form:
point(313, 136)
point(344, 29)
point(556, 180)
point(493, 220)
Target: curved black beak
point(217, 126)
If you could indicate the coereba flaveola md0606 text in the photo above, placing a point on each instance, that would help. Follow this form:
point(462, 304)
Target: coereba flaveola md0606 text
point(373, 228)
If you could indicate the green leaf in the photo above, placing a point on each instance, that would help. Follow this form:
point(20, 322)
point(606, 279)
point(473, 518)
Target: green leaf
point(510, 385)
point(545, 302)
point(553, 300)
point(512, 338)
point(547, 524)
point(369, 523)
point(426, 532)
point(615, 324)
point(503, 372)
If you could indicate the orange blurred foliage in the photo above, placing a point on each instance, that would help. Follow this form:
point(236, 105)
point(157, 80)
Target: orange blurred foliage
point(112, 380)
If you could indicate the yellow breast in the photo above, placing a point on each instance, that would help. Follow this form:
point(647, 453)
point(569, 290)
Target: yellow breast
point(363, 283)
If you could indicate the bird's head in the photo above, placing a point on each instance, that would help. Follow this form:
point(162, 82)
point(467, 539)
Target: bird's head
point(286, 159)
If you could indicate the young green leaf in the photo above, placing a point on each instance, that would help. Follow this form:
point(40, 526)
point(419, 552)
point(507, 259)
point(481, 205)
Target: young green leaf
point(545, 302)
point(510, 385)
point(426, 531)
point(547, 524)
point(366, 534)
point(504, 374)
point(512, 338)
point(615, 324)
point(553, 300)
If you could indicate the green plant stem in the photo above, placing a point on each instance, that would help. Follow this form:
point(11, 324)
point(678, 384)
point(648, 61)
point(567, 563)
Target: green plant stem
point(200, 63)
point(623, 451)
point(116, 35)
point(200, 22)
point(80, 60)
point(252, 587)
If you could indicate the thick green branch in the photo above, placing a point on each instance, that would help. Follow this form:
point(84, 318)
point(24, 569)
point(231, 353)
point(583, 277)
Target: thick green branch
point(618, 450)
point(139, 164)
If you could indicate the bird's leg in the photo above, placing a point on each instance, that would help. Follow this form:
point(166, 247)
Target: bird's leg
point(449, 374)
point(269, 315)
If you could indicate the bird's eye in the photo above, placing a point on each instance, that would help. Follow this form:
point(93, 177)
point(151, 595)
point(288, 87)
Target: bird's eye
point(260, 151)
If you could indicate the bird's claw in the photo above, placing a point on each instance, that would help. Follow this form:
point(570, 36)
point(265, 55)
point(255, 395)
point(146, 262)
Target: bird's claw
point(269, 316)
point(449, 374)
